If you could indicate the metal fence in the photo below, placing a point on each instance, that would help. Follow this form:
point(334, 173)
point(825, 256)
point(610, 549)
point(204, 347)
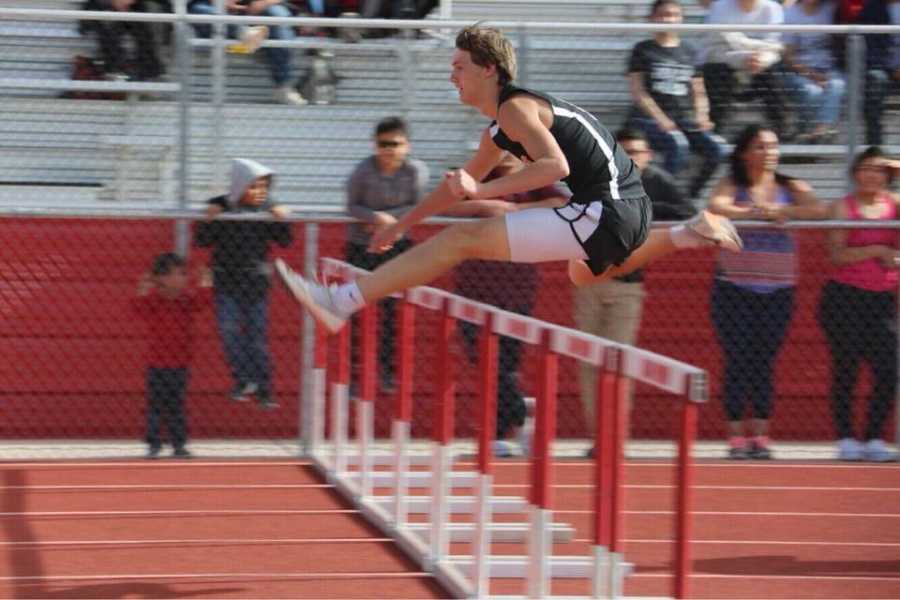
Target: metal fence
point(73, 358)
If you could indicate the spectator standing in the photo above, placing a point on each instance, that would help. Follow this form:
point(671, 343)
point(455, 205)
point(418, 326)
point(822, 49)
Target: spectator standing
point(612, 308)
point(279, 59)
point(744, 61)
point(858, 307)
point(753, 292)
point(168, 308)
point(146, 64)
point(382, 188)
point(242, 276)
point(670, 103)
point(811, 72)
point(511, 287)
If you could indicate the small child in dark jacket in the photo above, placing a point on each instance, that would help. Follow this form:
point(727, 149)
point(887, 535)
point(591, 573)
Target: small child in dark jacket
point(242, 275)
point(168, 307)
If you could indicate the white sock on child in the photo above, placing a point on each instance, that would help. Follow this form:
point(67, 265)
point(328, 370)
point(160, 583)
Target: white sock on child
point(348, 298)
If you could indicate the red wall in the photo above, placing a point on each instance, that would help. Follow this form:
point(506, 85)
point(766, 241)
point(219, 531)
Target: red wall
point(71, 354)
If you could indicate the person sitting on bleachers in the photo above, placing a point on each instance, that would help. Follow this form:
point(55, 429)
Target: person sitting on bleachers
point(279, 59)
point(117, 64)
point(744, 65)
point(812, 77)
point(882, 64)
point(670, 104)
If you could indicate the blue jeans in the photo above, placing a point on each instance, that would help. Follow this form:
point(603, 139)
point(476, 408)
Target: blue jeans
point(279, 59)
point(879, 85)
point(676, 146)
point(816, 105)
point(243, 327)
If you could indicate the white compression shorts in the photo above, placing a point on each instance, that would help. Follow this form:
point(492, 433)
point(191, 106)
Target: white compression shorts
point(546, 234)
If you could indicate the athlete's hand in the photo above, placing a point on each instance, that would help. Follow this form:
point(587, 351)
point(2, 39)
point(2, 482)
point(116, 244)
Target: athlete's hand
point(386, 237)
point(462, 185)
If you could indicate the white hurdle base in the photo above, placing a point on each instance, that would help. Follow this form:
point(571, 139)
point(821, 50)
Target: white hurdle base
point(420, 479)
point(457, 504)
point(516, 566)
point(499, 532)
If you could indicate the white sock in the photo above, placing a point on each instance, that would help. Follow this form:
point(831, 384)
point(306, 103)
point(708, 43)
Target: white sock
point(683, 237)
point(348, 298)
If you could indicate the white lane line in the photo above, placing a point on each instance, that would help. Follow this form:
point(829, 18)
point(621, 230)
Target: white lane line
point(756, 543)
point(359, 575)
point(721, 464)
point(141, 513)
point(779, 488)
point(743, 514)
point(769, 577)
point(156, 464)
point(172, 486)
point(197, 542)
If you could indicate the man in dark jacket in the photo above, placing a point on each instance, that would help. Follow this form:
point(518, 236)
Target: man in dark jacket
point(242, 274)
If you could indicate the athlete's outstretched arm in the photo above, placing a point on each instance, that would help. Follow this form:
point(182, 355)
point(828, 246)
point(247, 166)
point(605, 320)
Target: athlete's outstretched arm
point(527, 120)
point(440, 198)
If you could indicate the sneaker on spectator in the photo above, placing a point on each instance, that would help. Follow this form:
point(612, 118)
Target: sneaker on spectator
point(153, 452)
point(243, 391)
point(877, 451)
point(251, 39)
point(315, 297)
point(267, 401)
point(505, 449)
point(181, 452)
point(738, 448)
point(286, 94)
point(850, 449)
point(716, 229)
point(759, 450)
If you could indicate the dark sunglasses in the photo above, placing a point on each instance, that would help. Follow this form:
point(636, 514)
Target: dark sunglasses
point(388, 143)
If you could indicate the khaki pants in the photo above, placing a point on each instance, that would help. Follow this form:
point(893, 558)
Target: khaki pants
point(609, 309)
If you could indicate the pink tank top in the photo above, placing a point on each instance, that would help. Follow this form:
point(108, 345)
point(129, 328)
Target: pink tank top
point(869, 274)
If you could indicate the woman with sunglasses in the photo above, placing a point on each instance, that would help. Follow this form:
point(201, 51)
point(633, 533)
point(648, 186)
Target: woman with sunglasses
point(858, 308)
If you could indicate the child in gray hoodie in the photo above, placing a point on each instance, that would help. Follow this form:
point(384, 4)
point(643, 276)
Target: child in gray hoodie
point(242, 274)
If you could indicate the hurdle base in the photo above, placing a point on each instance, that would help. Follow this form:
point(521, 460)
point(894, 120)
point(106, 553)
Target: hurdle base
point(458, 504)
point(516, 566)
point(499, 532)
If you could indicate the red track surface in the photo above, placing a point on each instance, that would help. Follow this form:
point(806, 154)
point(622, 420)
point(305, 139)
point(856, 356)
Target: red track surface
point(273, 530)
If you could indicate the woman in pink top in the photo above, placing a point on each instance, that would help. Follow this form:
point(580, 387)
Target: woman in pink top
point(858, 308)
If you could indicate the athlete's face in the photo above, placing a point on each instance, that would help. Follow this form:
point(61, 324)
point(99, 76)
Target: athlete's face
point(467, 77)
point(762, 152)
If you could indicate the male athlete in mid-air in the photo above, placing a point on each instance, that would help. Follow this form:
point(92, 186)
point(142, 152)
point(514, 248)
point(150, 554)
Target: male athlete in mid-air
point(604, 230)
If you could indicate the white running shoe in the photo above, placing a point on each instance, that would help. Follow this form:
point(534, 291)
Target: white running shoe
point(716, 229)
point(850, 449)
point(288, 95)
point(315, 297)
point(877, 451)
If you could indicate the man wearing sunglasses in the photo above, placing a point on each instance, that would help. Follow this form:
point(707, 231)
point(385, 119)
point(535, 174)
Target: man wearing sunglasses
point(381, 189)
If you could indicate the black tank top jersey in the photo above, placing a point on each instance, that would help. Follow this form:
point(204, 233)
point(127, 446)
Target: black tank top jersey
point(598, 167)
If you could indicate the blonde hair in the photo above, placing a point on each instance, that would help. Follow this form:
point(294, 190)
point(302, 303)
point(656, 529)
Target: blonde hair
point(488, 47)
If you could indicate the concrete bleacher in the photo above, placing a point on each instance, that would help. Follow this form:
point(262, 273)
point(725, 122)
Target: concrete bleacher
point(88, 145)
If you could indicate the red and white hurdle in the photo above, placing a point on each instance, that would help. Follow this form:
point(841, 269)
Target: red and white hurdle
point(351, 466)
